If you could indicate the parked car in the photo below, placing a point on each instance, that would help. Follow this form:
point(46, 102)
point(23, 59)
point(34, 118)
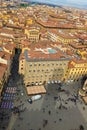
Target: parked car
point(34, 98)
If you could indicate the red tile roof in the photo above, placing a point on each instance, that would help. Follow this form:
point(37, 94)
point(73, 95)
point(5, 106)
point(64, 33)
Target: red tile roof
point(63, 34)
point(9, 46)
point(5, 55)
point(44, 50)
point(54, 24)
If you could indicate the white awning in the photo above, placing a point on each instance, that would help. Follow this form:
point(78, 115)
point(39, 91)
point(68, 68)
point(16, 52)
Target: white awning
point(36, 90)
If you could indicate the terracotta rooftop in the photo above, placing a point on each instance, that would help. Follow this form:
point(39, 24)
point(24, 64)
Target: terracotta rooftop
point(63, 34)
point(35, 90)
point(5, 37)
point(55, 24)
point(69, 52)
point(61, 16)
point(82, 36)
point(10, 33)
point(5, 55)
point(3, 65)
point(43, 53)
point(13, 26)
point(25, 43)
point(79, 61)
point(70, 65)
point(9, 46)
point(7, 31)
point(78, 45)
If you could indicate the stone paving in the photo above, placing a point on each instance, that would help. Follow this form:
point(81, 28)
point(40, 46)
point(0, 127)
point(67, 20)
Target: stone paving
point(48, 113)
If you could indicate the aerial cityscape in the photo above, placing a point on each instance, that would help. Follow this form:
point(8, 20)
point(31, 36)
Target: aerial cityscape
point(43, 65)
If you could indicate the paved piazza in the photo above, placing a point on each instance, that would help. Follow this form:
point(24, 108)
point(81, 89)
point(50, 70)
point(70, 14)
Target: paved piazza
point(54, 108)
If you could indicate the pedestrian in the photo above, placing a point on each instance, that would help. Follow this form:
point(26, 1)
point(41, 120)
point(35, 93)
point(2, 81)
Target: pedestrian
point(60, 119)
point(81, 127)
point(46, 122)
point(49, 112)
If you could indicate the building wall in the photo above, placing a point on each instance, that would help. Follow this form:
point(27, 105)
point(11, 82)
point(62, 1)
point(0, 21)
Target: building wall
point(65, 40)
point(56, 37)
point(12, 52)
point(2, 81)
point(32, 34)
point(52, 36)
point(22, 66)
point(77, 72)
point(43, 71)
point(9, 66)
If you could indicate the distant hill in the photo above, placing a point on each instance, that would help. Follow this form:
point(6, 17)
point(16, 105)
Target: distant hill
point(59, 3)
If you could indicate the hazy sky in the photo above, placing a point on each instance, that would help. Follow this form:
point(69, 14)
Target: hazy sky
point(76, 3)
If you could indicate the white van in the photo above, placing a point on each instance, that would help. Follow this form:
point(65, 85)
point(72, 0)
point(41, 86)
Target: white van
point(34, 98)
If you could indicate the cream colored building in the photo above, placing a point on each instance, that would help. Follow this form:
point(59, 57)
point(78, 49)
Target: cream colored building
point(3, 77)
point(61, 36)
point(29, 21)
point(76, 69)
point(39, 67)
point(33, 34)
point(5, 59)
